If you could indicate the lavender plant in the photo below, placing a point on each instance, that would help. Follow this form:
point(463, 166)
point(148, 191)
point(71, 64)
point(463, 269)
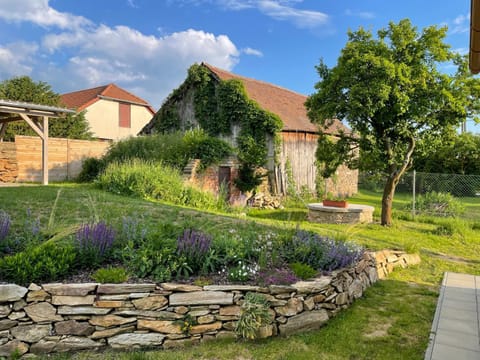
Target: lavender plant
point(194, 246)
point(320, 252)
point(94, 242)
point(5, 223)
point(276, 276)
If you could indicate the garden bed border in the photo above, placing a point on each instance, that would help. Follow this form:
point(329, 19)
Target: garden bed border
point(59, 317)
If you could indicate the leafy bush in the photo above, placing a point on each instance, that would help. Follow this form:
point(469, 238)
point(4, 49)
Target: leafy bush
point(438, 204)
point(112, 275)
point(194, 246)
point(94, 242)
point(155, 181)
point(254, 314)
point(169, 149)
point(303, 271)
point(48, 261)
point(91, 167)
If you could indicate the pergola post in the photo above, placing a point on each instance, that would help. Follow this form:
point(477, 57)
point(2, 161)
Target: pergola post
point(45, 151)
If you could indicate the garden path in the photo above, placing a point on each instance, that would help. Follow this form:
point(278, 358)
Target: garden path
point(455, 332)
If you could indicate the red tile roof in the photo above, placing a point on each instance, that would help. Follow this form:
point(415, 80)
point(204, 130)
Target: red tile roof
point(80, 100)
point(288, 105)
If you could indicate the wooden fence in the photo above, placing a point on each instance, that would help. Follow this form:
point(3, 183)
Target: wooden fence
point(65, 157)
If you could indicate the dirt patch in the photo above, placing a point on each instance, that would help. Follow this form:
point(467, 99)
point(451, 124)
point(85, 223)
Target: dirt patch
point(381, 330)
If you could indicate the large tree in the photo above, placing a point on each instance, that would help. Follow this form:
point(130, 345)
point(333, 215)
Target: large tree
point(24, 89)
point(390, 91)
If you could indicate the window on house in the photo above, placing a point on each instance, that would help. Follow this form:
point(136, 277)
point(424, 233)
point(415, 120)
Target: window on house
point(125, 117)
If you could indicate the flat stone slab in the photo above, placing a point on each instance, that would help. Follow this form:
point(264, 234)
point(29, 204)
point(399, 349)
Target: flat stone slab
point(352, 214)
point(455, 332)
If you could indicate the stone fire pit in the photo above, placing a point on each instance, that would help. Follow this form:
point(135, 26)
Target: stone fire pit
point(352, 214)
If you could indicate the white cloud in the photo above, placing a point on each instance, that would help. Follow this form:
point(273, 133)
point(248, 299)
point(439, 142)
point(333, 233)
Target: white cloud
point(40, 13)
point(254, 52)
point(16, 59)
point(360, 14)
point(154, 65)
point(282, 10)
point(461, 24)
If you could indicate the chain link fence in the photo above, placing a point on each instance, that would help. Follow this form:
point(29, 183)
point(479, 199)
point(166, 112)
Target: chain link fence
point(420, 193)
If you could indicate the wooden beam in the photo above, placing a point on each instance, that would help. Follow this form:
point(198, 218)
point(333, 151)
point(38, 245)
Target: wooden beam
point(3, 127)
point(34, 126)
point(45, 150)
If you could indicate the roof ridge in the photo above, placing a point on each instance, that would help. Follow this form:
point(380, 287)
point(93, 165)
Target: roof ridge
point(211, 67)
point(113, 85)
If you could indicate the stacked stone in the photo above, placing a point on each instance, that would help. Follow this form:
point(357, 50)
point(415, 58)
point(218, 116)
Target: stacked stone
point(69, 317)
point(388, 260)
point(8, 163)
point(264, 201)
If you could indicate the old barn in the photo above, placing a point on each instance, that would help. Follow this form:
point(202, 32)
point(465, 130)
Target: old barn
point(290, 162)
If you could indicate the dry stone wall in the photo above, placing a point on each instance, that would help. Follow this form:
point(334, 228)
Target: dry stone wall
point(52, 318)
point(8, 162)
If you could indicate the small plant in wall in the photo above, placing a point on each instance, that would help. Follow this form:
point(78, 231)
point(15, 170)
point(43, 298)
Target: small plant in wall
point(253, 316)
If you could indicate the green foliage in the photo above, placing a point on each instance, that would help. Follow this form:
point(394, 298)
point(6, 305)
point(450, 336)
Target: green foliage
point(438, 204)
point(210, 150)
point(91, 167)
point(112, 275)
point(156, 181)
point(452, 154)
point(170, 149)
point(393, 96)
point(218, 106)
point(303, 271)
point(24, 89)
point(48, 261)
point(254, 314)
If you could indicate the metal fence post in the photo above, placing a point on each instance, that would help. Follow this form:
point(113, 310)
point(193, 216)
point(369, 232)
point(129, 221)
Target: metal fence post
point(413, 192)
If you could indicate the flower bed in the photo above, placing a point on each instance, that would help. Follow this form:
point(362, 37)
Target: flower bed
point(68, 317)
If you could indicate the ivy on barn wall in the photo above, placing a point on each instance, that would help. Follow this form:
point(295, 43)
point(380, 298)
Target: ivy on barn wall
point(220, 104)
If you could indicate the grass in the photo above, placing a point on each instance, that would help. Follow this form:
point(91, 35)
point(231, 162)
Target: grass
point(391, 321)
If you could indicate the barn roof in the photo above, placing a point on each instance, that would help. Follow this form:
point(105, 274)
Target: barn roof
point(81, 99)
point(288, 105)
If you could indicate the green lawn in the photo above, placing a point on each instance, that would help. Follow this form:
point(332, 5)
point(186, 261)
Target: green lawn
point(392, 320)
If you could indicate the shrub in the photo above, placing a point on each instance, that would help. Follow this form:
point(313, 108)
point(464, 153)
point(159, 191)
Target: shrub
point(94, 242)
point(47, 262)
point(194, 246)
point(303, 271)
point(91, 167)
point(113, 275)
point(254, 314)
point(438, 204)
point(157, 181)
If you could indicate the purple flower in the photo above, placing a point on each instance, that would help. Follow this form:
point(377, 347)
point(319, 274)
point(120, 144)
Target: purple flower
point(277, 276)
point(5, 223)
point(97, 237)
point(194, 245)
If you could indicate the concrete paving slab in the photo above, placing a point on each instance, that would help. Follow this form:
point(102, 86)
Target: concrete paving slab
point(455, 332)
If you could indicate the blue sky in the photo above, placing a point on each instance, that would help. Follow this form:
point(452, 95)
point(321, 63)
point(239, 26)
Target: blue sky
point(146, 46)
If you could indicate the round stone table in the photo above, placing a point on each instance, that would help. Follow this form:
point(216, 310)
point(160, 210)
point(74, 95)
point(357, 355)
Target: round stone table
point(352, 214)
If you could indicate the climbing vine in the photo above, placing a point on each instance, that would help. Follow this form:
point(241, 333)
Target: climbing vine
point(220, 104)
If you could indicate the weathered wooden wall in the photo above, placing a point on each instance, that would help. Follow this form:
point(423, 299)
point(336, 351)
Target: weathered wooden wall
point(65, 157)
point(298, 152)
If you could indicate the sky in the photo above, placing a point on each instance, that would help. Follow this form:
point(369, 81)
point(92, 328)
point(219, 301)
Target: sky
point(146, 46)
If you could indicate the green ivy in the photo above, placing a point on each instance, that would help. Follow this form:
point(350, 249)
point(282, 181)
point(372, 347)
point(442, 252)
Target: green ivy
point(218, 106)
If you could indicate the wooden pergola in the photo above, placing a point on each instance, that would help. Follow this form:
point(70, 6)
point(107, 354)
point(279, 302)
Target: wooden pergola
point(36, 116)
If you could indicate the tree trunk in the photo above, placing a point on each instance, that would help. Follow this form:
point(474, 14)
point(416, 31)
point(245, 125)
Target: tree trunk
point(387, 199)
point(392, 181)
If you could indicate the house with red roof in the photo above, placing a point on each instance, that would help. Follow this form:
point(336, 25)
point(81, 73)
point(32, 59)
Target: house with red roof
point(113, 113)
point(291, 163)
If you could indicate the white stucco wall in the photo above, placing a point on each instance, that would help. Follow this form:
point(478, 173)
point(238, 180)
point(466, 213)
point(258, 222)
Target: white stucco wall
point(103, 117)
